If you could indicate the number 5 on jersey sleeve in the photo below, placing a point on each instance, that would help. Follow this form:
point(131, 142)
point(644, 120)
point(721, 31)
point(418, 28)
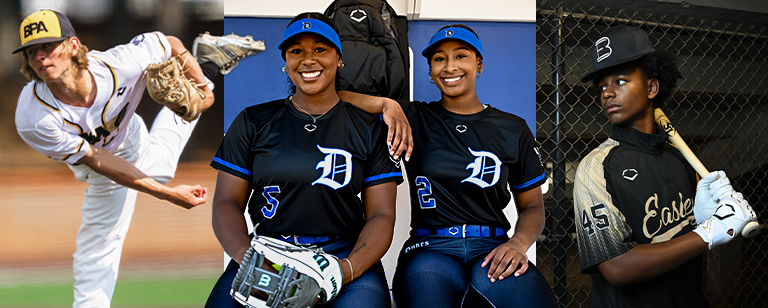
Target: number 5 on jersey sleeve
point(601, 219)
point(425, 193)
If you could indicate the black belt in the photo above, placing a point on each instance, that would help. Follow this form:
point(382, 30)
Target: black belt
point(460, 231)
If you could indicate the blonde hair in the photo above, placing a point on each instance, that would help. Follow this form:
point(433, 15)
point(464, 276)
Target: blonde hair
point(80, 59)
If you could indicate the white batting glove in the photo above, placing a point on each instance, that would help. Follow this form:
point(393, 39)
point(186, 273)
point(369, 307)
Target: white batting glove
point(721, 187)
point(732, 214)
point(705, 205)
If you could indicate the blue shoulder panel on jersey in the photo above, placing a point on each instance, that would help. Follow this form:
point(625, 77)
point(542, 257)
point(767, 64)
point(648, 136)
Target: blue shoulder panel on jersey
point(524, 185)
point(232, 166)
point(380, 176)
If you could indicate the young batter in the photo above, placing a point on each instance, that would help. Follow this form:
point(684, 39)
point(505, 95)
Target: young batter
point(465, 157)
point(636, 201)
point(306, 158)
point(79, 108)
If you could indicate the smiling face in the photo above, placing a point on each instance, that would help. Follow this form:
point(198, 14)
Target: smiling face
point(454, 66)
point(311, 63)
point(50, 61)
point(626, 96)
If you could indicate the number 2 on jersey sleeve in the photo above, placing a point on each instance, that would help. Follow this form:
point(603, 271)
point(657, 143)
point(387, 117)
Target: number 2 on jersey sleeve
point(425, 193)
point(601, 219)
point(269, 193)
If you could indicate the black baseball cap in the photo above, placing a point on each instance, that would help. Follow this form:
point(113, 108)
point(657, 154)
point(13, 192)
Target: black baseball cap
point(44, 26)
point(616, 46)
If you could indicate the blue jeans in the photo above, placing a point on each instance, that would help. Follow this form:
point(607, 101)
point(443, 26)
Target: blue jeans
point(438, 271)
point(368, 290)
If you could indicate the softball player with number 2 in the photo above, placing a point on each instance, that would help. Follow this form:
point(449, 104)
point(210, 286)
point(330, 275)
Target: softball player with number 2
point(465, 156)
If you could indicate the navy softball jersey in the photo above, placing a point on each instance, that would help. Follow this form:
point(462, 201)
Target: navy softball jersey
point(306, 181)
point(461, 165)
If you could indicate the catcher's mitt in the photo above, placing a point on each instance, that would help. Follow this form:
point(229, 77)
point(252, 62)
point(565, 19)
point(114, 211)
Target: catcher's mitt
point(306, 276)
point(168, 86)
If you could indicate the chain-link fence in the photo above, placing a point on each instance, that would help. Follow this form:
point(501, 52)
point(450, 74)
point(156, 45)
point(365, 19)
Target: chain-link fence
point(719, 108)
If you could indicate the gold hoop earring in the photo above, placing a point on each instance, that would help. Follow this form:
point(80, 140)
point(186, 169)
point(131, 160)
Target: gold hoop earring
point(432, 81)
point(284, 70)
point(341, 67)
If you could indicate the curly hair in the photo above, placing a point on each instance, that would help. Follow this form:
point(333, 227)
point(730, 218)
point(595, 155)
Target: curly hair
point(326, 20)
point(662, 66)
point(80, 59)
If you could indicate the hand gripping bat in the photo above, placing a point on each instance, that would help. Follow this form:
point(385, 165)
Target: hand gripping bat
point(752, 227)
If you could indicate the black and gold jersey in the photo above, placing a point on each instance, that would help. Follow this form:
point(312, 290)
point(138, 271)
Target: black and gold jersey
point(635, 188)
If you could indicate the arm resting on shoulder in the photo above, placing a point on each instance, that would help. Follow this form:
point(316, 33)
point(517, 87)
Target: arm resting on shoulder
point(646, 261)
point(371, 104)
point(399, 137)
point(376, 236)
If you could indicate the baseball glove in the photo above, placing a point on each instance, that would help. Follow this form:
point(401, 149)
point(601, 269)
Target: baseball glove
point(306, 275)
point(168, 86)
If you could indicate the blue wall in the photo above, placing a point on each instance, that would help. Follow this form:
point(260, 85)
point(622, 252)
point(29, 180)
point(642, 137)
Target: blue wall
point(508, 81)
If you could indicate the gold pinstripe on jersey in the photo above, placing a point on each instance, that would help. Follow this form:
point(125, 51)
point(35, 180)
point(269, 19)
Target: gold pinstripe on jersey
point(591, 198)
point(75, 125)
point(79, 147)
point(161, 42)
point(114, 90)
point(41, 101)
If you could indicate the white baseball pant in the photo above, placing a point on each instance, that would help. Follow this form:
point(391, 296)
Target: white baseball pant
point(108, 206)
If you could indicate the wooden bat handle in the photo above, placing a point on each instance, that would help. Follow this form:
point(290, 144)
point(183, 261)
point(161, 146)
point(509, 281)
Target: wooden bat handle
point(681, 146)
point(752, 227)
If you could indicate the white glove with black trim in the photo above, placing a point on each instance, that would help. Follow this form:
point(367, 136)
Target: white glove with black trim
point(705, 205)
point(732, 214)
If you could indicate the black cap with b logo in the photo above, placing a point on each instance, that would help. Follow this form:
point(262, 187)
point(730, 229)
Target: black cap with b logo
point(44, 26)
point(618, 45)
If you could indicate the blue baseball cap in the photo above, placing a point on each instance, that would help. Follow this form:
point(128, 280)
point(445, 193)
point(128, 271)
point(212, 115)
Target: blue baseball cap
point(457, 34)
point(309, 26)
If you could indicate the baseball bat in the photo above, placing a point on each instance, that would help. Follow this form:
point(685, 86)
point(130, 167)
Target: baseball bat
point(752, 227)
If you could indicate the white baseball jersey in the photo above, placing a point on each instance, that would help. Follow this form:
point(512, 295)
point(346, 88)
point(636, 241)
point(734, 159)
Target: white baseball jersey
point(60, 131)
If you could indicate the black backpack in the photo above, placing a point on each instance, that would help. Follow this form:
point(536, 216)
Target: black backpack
point(374, 41)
